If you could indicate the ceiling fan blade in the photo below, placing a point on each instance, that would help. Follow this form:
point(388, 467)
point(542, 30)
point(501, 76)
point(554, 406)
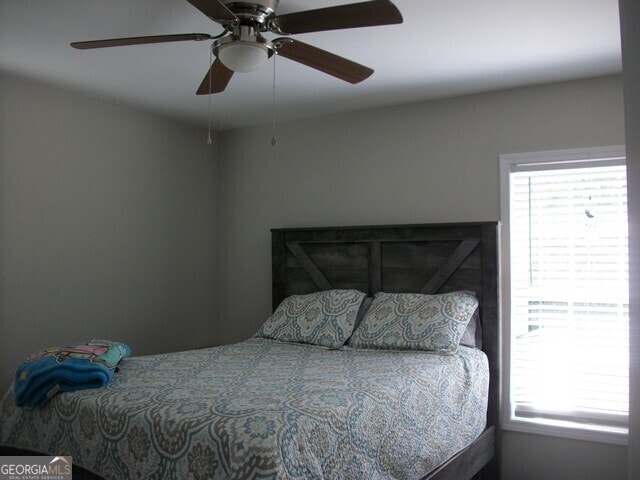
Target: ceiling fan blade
point(215, 10)
point(322, 60)
point(217, 78)
point(118, 42)
point(365, 14)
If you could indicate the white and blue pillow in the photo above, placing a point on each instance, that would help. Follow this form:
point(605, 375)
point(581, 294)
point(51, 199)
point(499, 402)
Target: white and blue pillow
point(323, 318)
point(413, 321)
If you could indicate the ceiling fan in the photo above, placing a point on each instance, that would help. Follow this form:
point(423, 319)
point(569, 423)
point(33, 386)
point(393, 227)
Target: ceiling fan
point(241, 47)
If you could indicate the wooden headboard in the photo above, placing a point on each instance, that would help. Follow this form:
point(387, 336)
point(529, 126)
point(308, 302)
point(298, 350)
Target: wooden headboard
point(402, 258)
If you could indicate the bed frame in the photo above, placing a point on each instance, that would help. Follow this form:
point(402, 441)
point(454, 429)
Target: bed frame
point(406, 258)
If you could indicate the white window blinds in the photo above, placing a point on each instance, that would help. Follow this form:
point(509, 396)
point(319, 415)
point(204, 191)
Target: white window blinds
point(569, 292)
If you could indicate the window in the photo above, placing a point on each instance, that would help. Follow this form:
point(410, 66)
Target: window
point(566, 279)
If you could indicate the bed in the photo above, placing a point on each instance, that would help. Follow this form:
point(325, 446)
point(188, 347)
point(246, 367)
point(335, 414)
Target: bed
point(266, 408)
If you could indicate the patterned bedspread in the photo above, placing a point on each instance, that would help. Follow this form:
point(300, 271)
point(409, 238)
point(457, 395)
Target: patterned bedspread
point(265, 409)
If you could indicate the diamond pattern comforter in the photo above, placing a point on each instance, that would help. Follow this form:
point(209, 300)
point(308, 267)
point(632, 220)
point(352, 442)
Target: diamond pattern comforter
point(265, 409)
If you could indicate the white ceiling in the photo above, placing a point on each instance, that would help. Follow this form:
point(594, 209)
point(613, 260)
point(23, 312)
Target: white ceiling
point(443, 48)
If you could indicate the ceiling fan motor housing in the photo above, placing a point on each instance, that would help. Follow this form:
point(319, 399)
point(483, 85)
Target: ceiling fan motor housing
point(256, 12)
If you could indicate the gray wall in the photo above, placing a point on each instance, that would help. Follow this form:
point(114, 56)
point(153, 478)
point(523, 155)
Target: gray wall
point(428, 162)
point(630, 18)
point(108, 226)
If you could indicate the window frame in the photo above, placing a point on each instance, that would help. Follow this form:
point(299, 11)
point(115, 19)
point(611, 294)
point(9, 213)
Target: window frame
point(547, 160)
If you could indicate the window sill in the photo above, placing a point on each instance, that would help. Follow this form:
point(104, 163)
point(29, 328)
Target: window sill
point(566, 429)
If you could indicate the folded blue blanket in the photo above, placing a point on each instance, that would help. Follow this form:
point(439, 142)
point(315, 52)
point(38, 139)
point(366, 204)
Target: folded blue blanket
point(59, 369)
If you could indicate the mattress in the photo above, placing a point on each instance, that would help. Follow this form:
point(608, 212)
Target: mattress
point(265, 409)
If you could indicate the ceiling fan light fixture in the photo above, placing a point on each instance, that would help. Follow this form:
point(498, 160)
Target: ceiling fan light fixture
point(243, 56)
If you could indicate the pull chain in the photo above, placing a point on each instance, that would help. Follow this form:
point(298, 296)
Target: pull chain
point(274, 140)
point(209, 114)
